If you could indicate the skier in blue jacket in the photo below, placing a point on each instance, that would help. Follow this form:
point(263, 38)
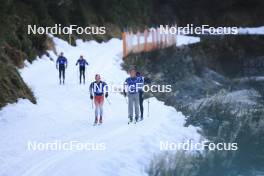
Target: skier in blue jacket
point(61, 64)
point(82, 63)
point(131, 89)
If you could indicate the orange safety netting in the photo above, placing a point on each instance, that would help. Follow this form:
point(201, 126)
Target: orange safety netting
point(149, 40)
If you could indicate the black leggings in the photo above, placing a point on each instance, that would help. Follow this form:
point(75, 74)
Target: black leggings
point(82, 74)
point(141, 103)
point(62, 71)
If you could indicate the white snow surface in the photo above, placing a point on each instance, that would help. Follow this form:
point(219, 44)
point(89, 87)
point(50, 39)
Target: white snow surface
point(186, 40)
point(64, 113)
point(252, 30)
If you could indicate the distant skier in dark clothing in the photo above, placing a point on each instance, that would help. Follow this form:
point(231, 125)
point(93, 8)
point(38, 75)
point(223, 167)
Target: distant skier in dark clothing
point(142, 82)
point(98, 89)
point(82, 63)
point(61, 64)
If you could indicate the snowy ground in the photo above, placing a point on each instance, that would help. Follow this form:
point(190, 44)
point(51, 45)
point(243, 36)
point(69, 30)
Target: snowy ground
point(252, 30)
point(65, 113)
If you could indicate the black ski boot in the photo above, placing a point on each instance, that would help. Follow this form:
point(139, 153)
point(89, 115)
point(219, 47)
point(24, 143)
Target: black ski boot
point(136, 120)
point(130, 120)
point(100, 120)
point(95, 121)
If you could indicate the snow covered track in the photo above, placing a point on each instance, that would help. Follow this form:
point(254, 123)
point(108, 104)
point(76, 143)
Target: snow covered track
point(64, 113)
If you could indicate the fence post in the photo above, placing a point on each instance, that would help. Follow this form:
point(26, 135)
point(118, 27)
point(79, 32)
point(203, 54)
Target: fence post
point(138, 40)
point(131, 41)
point(153, 39)
point(124, 44)
point(157, 38)
point(145, 39)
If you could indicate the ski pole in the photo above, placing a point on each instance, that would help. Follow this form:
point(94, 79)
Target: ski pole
point(148, 107)
point(108, 101)
point(92, 103)
point(77, 75)
point(84, 77)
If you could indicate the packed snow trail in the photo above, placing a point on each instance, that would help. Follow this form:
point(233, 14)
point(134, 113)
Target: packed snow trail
point(64, 113)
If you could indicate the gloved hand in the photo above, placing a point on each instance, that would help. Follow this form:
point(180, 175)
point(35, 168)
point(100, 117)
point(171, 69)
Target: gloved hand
point(147, 80)
point(91, 96)
point(106, 94)
point(124, 93)
point(57, 67)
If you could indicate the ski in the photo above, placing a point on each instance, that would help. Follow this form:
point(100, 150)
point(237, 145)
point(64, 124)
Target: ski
point(97, 124)
point(133, 122)
point(141, 119)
